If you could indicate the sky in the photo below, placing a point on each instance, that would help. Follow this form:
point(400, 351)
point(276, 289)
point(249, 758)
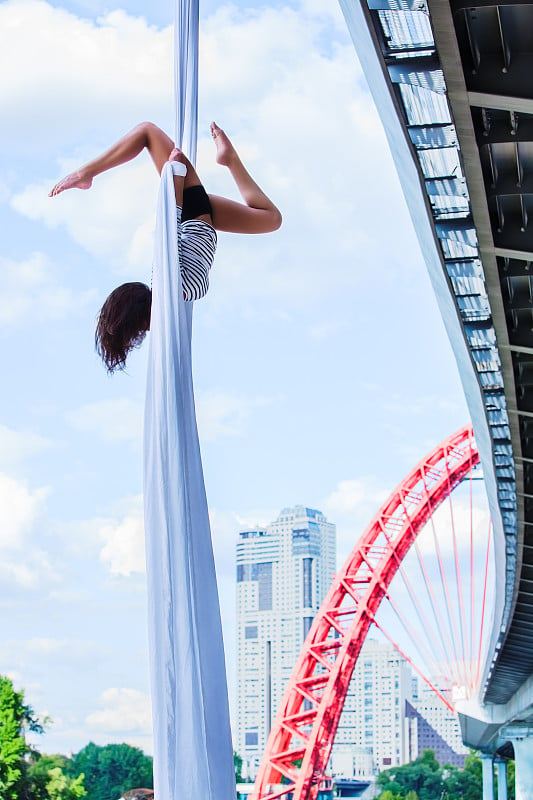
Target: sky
point(322, 369)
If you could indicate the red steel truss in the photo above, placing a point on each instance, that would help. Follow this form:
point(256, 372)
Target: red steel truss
point(303, 732)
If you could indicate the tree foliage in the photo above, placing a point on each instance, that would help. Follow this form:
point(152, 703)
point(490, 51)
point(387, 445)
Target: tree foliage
point(422, 776)
point(49, 779)
point(237, 763)
point(16, 718)
point(112, 770)
point(99, 773)
point(426, 779)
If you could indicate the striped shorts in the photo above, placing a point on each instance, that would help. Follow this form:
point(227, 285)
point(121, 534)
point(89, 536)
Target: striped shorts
point(197, 244)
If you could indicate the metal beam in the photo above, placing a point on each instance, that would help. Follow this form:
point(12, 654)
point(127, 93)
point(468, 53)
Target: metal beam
point(508, 185)
point(498, 101)
point(500, 132)
point(507, 252)
point(461, 5)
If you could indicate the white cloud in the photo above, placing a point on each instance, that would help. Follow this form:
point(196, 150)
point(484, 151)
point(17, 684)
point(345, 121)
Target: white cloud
point(126, 710)
point(16, 446)
point(222, 414)
point(19, 508)
point(22, 563)
point(291, 76)
point(123, 551)
point(114, 420)
point(350, 495)
point(40, 649)
point(113, 221)
point(417, 404)
point(325, 329)
point(31, 290)
point(77, 71)
point(352, 506)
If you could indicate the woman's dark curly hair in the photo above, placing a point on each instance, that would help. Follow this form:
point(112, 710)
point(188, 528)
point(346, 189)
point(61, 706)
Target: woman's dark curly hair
point(138, 794)
point(122, 323)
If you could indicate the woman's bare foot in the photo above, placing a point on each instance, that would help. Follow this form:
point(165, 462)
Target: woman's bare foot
point(226, 153)
point(76, 180)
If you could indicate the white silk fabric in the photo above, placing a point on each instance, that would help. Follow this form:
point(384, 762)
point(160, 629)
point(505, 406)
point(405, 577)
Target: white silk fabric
point(193, 756)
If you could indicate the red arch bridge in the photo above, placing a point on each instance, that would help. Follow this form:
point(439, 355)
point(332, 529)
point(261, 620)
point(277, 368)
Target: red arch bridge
point(297, 752)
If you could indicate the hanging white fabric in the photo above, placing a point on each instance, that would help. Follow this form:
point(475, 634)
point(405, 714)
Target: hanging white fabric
point(186, 32)
point(193, 756)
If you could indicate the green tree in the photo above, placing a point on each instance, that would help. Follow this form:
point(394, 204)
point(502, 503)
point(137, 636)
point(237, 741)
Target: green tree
point(49, 779)
point(426, 779)
point(422, 776)
point(511, 780)
point(62, 787)
point(388, 795)
point(16, 718)
point(385, 781)
point(466, 783)
point(111, 770)
point(237, 762)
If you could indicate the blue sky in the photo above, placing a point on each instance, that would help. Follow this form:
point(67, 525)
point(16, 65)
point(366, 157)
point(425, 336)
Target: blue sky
point(322, 369)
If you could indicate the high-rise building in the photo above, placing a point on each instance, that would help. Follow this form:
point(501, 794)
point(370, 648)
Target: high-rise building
point(283, 573)
point(372, 735)
point(423, 736)
point(443, 721)
point(390, 717)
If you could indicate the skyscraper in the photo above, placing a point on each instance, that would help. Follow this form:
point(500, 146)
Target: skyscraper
point(443, 722)
point(389, 717)
point(371, 732)
point(283, 573)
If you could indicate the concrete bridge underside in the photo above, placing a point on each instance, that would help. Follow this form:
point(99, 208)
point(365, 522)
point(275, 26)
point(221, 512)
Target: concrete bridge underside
point(452, 83)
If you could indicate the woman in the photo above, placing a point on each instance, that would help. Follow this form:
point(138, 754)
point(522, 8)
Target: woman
point(125, 316)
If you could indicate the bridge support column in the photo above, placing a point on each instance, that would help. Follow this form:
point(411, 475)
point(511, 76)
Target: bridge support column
point(501, 764)
point(523, 753)
point(487, 764)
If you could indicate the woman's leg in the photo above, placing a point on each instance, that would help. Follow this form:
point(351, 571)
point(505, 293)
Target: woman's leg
point(145, 135)
point(259, 215)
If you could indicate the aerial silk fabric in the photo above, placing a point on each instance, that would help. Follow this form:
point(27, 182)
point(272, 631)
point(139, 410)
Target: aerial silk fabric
point(186, 31)
point(193, 756)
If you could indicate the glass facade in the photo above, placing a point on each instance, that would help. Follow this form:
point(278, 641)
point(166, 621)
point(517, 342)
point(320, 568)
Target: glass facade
point(264, 578)
point(307, 582)
point(250, 632)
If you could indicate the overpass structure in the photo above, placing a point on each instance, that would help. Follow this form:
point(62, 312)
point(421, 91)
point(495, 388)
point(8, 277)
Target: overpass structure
point(452, 83)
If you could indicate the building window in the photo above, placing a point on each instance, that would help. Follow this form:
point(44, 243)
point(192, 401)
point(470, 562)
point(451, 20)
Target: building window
point(262, 573)
point(264, 578)
point(250, 631)
point(251, 738)
point(307, 569)
point(246, 572)
point(308, 621)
